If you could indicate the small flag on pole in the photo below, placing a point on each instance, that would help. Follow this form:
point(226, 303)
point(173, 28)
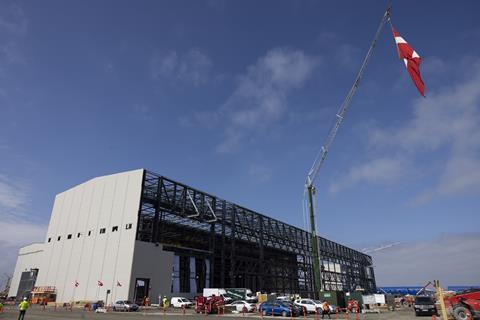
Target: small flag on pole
point(119, 284)
point(76, 284)
point(100, 283)
point(411, 59)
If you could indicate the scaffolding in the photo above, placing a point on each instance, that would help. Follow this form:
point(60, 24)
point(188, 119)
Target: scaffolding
point(244, 249)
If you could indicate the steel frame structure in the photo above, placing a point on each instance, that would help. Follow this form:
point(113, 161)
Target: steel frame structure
point(245, 249)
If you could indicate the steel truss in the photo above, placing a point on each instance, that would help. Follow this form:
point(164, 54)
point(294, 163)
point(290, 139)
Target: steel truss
point(245, 249)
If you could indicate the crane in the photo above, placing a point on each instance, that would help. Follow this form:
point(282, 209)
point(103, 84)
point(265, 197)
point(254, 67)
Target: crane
point(322, 154)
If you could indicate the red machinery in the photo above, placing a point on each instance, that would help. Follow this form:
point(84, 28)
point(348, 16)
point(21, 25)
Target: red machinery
point(465, 305)
point(43, 295)
point(208, 304)
point(352, 306)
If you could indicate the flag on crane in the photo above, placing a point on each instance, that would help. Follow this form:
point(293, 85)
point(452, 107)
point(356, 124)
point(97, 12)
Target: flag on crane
point(411, 59)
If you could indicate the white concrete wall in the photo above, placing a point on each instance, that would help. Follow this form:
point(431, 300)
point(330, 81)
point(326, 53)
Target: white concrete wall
point(29, 257)
point(102, 202)
point(151, 262)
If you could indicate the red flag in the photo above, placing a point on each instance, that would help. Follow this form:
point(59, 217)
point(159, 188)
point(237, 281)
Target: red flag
point(77, 284)
point(119, 284)
point(411, 59)
point(100, 283)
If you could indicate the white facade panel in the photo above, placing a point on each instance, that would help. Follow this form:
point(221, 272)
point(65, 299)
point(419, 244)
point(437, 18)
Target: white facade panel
point(68, 241)
point(29, 257)
point(94, 215)
point(158, 269)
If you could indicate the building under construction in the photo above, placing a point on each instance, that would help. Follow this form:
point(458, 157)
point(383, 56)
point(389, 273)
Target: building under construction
point(137, 234)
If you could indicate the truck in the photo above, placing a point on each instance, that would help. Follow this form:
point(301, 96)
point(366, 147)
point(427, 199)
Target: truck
point(241, 294)
point(211, 304)
point(208, 292)
point(465, 305)
point(425, 305)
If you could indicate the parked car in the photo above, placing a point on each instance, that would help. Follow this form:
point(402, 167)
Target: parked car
point(180, 302)
point(292, 305)
point(425, 305)
point(310, 306)
point(242, 306)
point(277, 308)
point(283, 298)
point(125, 305)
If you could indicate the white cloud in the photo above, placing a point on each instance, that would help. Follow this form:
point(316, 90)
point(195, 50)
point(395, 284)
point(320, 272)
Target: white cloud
point(433, 65)
point(218, 5)
point(205, 119)
point(377, 171)
point(342, 53)
point(192, 67)
point(13, 26)
point(260, 98)
point(416, 263)
point(13, 19)
point(16, 234)
point(13, 194)
point(109, 67)
point(9, 258)
point(4, 146)
point(445, 127)
point(11, 54)
point(141, 111)
point(422, 198)
point(16, 229)
point(260, 173)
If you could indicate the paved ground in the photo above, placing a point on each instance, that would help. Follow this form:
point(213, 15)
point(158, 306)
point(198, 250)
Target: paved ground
point(38, 314)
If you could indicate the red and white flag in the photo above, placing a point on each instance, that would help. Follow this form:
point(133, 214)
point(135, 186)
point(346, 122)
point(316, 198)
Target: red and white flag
point(76, 284)
point(100, 283)
point(411, 59)
point(119, 284)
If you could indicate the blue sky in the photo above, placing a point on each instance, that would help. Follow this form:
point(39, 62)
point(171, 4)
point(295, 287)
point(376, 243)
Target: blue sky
point(236, 98)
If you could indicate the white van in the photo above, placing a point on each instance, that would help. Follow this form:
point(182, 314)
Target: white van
point(208, 292)
point(179, 302)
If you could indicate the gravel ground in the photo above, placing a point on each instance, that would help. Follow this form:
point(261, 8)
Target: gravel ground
point(35, 313)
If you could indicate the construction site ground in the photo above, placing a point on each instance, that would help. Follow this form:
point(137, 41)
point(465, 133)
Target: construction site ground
point(40, 314)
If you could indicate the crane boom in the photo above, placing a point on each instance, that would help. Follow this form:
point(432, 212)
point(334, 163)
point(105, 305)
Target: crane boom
point(322, 155)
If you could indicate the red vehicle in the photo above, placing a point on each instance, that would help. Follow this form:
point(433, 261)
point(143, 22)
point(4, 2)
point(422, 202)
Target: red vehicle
point(465, 305)
point(352, 306)
point(208, 304)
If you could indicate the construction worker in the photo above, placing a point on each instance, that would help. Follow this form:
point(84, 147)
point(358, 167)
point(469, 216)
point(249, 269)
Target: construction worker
point(165, 302)
point(22, 307)
point(1, 307)
point(326, 310)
